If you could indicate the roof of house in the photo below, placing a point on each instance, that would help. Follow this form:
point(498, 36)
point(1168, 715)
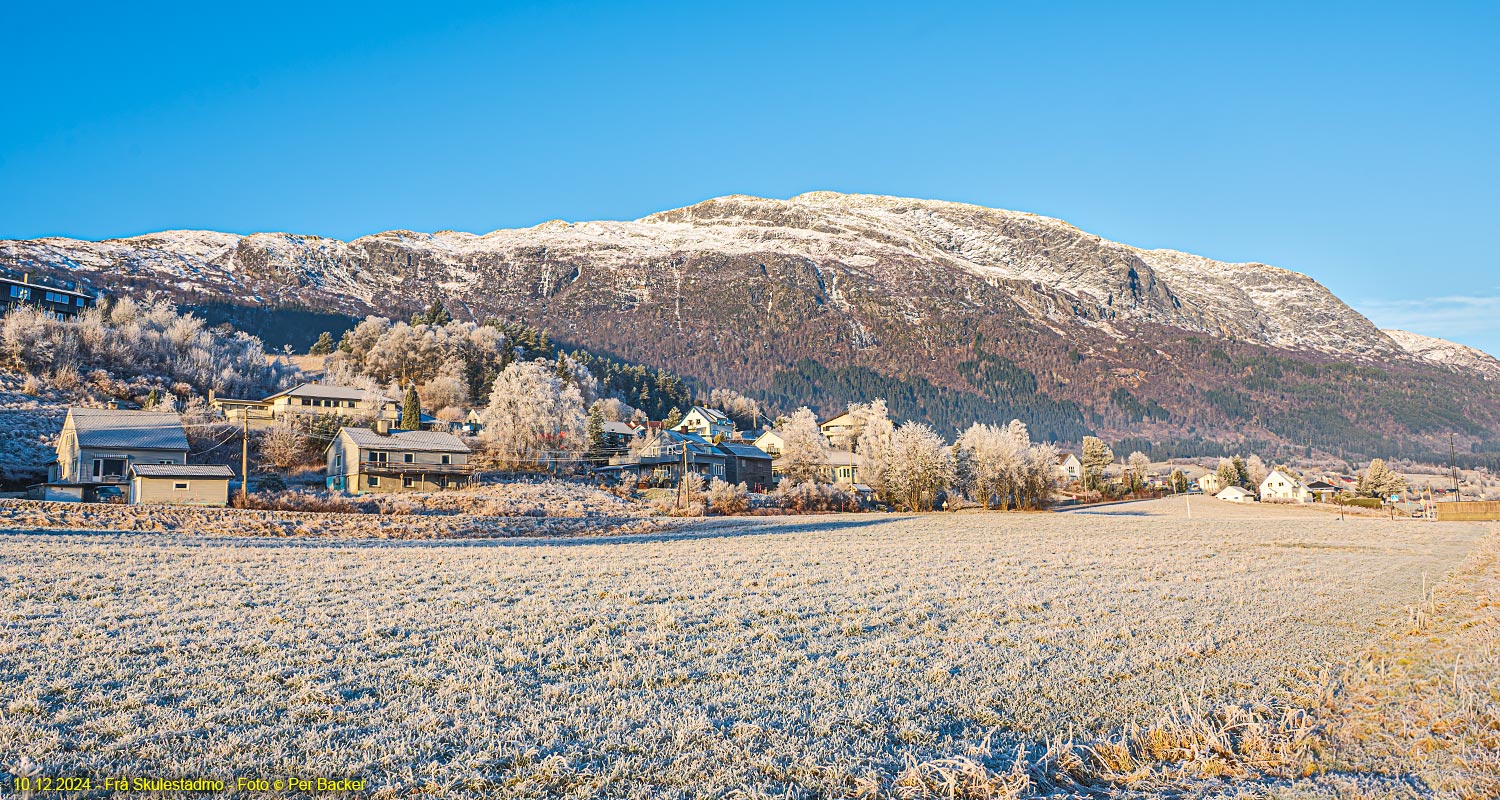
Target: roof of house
point(622, 428)
point(695, 443)
point(1320, 485)
point(769, 435)
point(710, 414)
point(1062, 458)
point(415, 441)
point(182, 471)
point(328, 392)
point(136, 430)
point(1276, 473)
point(1232, 491)
point(834, 418)
point(744, 451)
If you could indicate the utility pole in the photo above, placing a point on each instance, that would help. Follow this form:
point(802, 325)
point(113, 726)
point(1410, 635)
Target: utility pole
point(1453, 466)
point(244, 454)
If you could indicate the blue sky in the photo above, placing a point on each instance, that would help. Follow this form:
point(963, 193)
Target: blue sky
point(1353, 142)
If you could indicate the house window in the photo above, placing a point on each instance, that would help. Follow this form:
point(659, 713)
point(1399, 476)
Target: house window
point(379, 457)
point(79, 300)
point(447, 459)
point(374, 480)
point(408, 482)
point(408, 458)
point(109, 468)
point(180, 486)
point(166, 461)
point(338, 461)
point(20, 292)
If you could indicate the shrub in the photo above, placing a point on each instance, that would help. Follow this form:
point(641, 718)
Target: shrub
point(809, 496)
point(728, 498)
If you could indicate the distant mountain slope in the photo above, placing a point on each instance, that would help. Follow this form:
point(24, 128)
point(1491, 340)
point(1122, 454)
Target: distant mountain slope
point(962, 311)
point(1451, 354)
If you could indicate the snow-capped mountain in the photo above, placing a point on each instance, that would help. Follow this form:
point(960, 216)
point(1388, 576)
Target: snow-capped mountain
point(736, 290)
point(1450, 354)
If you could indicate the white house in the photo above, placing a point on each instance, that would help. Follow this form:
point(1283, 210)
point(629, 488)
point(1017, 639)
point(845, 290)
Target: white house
point(771, 442)
point(1209, 483)
point(1069, 468)
point(706, 424)
point(1281, 487)
point(1235, 494)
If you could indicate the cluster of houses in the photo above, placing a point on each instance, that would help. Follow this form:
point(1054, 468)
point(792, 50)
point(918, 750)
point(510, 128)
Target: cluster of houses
point(142, 456)
point(1277, 487)
point(112, 454)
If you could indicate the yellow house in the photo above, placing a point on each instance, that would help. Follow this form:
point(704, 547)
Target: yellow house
point(180, 484)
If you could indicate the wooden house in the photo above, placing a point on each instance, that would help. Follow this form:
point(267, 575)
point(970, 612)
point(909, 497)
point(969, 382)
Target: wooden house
point(362, 460)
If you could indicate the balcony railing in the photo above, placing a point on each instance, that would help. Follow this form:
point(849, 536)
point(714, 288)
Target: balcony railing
point(408, 468)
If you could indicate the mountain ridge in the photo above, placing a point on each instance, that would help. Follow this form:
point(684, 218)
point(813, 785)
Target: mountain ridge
point(741, 287)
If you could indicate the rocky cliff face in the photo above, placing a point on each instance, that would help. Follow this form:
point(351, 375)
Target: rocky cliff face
point(734, 290)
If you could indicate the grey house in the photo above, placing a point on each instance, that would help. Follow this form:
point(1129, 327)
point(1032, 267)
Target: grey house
point(361, 460)
point(98, 446)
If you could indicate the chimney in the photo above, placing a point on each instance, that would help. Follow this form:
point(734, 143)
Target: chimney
point(210, 396)
point(383, 426)
point(26, 277)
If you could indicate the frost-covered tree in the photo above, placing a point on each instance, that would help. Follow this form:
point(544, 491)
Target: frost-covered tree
point(1255, 470)
point(920, 466)
point(1139, 467)
point(745, 411)
point(1379, 480)
point(1096, 459)
point(1000, 465)
point(1179, 481)
point(874, 448)
point(282, 445)
point(1227, 474)
point(804, 454)
point(531, 416)
point(673, 418)
point(130, 340)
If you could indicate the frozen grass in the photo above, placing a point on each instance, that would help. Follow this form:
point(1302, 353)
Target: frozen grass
point(962, 655)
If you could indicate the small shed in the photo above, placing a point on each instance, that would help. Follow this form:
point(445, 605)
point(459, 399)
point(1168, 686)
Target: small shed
point(180, 484)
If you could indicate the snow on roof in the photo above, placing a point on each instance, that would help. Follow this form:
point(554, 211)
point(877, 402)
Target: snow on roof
point(415, 441)
point(139, 430)
point(328, 392)
point(710, 414)
point(182, 471)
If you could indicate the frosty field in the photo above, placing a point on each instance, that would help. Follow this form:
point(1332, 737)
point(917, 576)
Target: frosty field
point(804, 656)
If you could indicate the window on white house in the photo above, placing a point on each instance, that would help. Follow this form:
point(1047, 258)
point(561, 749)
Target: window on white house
point(180, 486)
point(374, 480)
point(447, 459)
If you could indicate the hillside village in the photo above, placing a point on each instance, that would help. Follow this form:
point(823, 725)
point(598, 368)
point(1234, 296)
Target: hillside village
point(435, 405)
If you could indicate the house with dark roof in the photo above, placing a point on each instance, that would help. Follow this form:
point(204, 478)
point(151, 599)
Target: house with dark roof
point(180, 484)
point(98, 446)
point(363, 460)
point(662, 455)
point(62, 300)
point(747, 464)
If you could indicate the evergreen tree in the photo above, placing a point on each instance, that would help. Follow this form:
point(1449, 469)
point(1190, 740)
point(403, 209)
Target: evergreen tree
point(436, 314)
point(674, 418)
point(595, 432)
point(411, 410)
point(1179, 481)
point(153, 399)
point(323, 346)
point(1241, 473)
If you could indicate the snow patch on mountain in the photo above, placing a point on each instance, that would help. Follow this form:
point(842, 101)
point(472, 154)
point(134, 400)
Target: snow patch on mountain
point(1449, 354)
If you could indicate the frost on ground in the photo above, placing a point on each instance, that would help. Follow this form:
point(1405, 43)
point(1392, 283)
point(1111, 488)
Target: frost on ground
point(943, 655)
point(403, 519)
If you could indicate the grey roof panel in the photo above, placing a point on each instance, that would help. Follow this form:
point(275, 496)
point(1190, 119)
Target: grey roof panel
point(415, 441)
point(138, 430)
point(182, 470)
